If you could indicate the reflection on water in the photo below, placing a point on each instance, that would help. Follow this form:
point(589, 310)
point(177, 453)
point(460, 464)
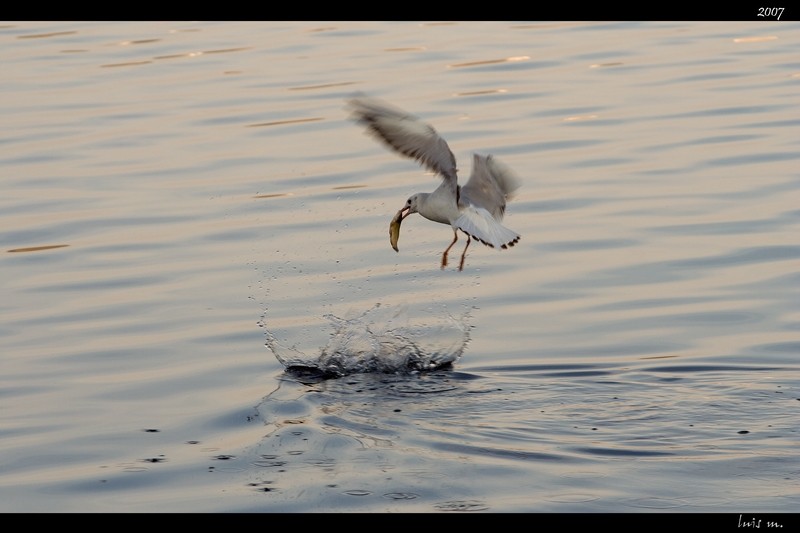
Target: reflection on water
point(381, 339)
point(584, 437)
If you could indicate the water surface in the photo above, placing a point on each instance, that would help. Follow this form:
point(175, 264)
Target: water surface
point(176, 194)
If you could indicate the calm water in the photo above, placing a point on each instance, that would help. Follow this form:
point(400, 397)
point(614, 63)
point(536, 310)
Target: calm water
point(174, 194)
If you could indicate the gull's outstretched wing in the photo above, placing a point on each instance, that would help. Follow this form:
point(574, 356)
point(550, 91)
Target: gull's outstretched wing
point(490, 186)
point(406, 134)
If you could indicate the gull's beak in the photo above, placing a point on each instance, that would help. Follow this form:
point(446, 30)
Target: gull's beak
point(405, 211)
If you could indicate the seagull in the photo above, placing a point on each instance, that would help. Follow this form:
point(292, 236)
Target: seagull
point(476, 209)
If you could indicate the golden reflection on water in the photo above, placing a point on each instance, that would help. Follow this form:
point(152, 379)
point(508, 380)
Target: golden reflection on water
point(580, 117)
point(282, 122)
point(755, 39)
point(340, 187)
point(37, 248)
point(275, 195)
point(477, 93)
point(488, 62)
point(139, 41)
point(127, 64)
point(46, 35)
point(322, 86)
point(603, 65)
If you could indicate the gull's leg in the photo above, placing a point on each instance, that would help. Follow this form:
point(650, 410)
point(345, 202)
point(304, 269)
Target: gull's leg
point(464, 254)
point(444, 255)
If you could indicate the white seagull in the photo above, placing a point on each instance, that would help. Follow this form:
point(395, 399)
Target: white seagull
point(476, 209)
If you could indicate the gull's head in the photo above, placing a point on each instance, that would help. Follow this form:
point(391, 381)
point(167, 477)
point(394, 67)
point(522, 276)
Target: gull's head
point(412, 206)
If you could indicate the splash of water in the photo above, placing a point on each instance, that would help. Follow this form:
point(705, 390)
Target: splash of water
point(382, 339)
